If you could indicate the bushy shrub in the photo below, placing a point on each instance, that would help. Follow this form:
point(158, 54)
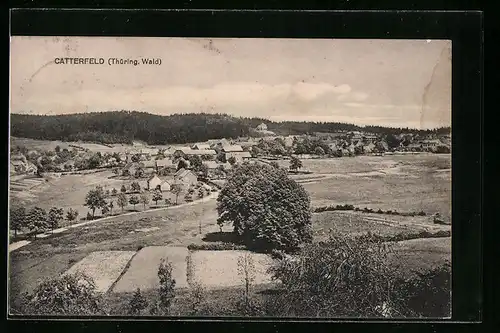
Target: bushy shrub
point(71, 294)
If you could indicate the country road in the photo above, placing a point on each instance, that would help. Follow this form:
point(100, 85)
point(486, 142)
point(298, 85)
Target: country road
point(18, 245)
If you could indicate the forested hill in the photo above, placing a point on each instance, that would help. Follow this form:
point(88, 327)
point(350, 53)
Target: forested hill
point(126, 126)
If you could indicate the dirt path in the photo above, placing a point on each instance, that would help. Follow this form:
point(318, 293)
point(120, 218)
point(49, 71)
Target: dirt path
point(17, 245)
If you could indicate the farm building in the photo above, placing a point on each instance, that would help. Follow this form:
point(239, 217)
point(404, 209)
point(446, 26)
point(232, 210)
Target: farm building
point(149, 164)
point(201, 146)
point(185, 152)
point(231, 148)
point(155, 182)
point(262, 127)
point(369, 148)
point(165, 164)
point(185, 177)
point(239, 156)
point(131, 168)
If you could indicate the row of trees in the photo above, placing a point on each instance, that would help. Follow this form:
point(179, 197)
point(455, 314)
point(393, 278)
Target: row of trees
point(38, 220)
point(126, 126)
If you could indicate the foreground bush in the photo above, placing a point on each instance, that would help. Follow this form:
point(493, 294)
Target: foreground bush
point(72, 294)
point(351, 277)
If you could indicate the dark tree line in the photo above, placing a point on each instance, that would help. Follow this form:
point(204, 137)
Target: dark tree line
point(125, 126)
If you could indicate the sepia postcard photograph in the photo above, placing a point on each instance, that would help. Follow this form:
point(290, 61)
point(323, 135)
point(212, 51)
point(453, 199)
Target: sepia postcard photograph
point(229, 177)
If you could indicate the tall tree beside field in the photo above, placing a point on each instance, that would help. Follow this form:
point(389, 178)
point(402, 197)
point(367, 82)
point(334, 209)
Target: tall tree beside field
point(122, 200)
point(137, 304)
point(95, 199)
point(17, 219)
point(123, 189)
point(167, 285)
point(295, 163)
point(231, 160)
point(111, 205)
point(181, 165)
point(392, 141)
point(135, 187)
point(114, 191)
point(157, 196)
point(319, 151)
point(176, 189)
point(71, 294)
point(104, 209)
point(55, 217)
point(246, 270)
point(133, 200)
point(144, 199)
point(139, 173)
point(72, 214)
point(267, 209)
point(37, 220)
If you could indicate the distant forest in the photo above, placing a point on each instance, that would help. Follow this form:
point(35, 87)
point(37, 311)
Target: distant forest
point(127, 126)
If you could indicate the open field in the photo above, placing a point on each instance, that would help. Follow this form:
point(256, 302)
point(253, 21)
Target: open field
point(218, 269)
point(403, 183)
point(143, 270)
point(104, 267)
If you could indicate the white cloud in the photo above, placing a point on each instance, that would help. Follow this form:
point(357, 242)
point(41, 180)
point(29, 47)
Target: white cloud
point(353, 97)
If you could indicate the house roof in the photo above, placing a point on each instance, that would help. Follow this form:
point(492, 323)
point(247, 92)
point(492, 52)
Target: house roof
point(153, 177)
point(164, 162)
point(189, 151)
point(201, 146)
point(240, 154)
point(182, 173)
point(232, 148)
point(211, 164)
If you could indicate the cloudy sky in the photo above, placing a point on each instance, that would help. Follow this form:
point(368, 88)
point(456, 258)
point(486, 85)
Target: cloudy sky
point(366, 82)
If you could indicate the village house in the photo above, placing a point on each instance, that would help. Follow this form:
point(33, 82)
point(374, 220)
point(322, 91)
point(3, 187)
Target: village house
point(165, 165)
point(239, 156)
point(369, 148)
point(186, 152)
point(185, 177)
point(430, 144)
point(156, 183)
point(201, 146)
point(262, 127)
point(131, 168)
point(150, 164)
point(231, 148)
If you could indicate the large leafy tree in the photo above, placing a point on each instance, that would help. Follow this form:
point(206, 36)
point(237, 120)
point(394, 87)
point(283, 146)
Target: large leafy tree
point(55, 217)
point(37, 220)
point(122, 200)
point(295, 163)
point(17, 219)
point(69, 294)
point(157, 196)
point(267, 209)
point(95, 199)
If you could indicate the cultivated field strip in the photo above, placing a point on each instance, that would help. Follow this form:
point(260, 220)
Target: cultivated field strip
point(218, 269)
point(143, 270)
point(104, 267)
